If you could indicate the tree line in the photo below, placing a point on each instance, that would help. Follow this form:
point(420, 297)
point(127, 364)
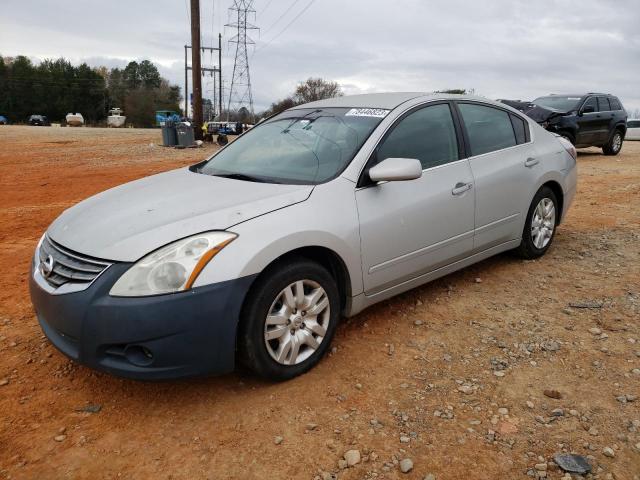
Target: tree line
point(56, 87)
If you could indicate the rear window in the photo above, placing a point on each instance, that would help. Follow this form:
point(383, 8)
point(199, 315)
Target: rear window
point(615, 103)
point(489, 129)
point(520, 128)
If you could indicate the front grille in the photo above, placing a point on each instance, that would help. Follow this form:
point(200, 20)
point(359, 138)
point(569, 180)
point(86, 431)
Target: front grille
point(68, 266)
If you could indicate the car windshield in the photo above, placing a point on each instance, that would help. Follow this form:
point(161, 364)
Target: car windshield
point(303, 146)
point(557, 102)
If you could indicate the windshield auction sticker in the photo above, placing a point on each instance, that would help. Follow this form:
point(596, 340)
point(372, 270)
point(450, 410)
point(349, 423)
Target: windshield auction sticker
point(367, 112)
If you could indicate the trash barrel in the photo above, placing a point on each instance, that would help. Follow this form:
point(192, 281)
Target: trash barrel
point(169, 138)
point(185, 135)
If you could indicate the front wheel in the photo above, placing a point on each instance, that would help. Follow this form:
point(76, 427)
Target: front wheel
point(614, 145)
point(288, 319)
point(540, 225)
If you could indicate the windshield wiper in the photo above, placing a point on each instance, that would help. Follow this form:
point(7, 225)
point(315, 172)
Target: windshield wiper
point(244, 177)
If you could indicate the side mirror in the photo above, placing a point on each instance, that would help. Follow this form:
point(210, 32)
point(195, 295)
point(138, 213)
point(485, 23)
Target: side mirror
point(588, 109)
point(396, 169)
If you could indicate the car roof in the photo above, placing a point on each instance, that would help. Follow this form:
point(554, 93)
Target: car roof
point(387, 101)
point(577, 94)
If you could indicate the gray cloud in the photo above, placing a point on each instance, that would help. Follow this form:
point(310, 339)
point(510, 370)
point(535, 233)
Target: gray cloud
point(503, 49)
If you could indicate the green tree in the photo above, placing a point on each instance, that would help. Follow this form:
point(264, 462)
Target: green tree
point(131, 75)
point(148, 74)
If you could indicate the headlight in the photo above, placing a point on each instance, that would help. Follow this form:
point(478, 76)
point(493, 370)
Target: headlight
point(172, 268)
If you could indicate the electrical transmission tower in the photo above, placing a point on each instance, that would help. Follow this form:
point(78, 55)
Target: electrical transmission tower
point(240, 92)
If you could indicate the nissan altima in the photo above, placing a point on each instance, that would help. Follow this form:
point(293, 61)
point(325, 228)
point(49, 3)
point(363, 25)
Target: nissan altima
point(253, 255)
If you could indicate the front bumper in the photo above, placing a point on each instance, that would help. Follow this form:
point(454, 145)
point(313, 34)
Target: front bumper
point(147, 338)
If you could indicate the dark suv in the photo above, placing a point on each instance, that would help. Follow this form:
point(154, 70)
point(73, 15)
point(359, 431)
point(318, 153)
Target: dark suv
point(587, 120)
point(39, 120)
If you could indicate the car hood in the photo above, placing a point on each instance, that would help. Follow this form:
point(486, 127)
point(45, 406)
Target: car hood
point(537, 113)
point(129, 221)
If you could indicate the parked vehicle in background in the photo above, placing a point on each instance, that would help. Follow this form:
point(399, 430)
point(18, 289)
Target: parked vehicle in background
point(633, 129)
point(321, 211)
point(39, 121)
point(3, 120)
point(115, 118)
point(74, 119)
point(163, 116)
point(586, 120)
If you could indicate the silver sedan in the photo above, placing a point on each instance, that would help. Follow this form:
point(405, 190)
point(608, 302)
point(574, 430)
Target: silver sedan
point(254, 254)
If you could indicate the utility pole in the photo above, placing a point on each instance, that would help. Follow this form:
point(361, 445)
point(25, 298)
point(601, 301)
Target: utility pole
point(200, 73)
point(186, 84)
point(220, 102)
point(196, 74)
point(240, 95)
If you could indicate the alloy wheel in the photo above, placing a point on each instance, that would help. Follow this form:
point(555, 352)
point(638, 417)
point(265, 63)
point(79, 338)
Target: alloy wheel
point(543, 222)
point(617, 142)
point(297, 322)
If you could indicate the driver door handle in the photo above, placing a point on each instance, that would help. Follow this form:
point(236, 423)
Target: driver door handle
point(460, 188)
point(531, 162)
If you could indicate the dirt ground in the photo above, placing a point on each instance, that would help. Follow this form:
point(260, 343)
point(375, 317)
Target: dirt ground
point(450, 375)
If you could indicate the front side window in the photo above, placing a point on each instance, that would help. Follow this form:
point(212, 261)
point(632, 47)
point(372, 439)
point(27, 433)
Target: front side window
point(603, 104)
point(303, 146)
point(591, 102)
point(633, 124)
point(428, 135)
point(488, 128)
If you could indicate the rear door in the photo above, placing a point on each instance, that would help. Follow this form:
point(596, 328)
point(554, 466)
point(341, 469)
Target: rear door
point(411, 228)
point(505, 168)
point(607, 121)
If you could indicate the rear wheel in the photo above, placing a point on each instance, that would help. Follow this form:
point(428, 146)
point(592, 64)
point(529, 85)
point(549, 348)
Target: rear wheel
point(614, 145)
point(222, 140)
point(540, 226)
point(288, 319)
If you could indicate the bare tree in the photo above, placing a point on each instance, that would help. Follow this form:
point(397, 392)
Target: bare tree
point(316, 89)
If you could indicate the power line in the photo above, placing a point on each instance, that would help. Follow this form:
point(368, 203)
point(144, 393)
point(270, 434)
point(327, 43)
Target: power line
point(266, 7)
point(284, 14)
point(285, 28)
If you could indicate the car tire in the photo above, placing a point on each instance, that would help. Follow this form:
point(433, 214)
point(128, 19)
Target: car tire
point(540, 225)
point(279, 337)
point(614, 145)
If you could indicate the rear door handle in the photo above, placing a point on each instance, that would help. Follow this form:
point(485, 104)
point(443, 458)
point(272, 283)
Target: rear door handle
point(531, 162)
point(461, 187)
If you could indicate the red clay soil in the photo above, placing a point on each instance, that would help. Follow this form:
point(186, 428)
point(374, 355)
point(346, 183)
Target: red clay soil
point(450, 375)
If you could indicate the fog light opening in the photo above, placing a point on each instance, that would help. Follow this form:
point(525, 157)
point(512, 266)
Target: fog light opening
point(139, 355)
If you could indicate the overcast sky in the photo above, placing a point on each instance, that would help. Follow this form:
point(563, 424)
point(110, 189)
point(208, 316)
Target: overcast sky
point(517, 49)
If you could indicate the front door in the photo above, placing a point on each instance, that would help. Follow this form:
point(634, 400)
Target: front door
point(412, 227)
point(588, 123)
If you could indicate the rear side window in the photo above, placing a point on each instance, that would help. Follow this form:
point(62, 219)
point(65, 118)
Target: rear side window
point(633, 124)
point(427, 135)
point(603, 104)
point(520, 129)
point(615, 103)
point(489, 129)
